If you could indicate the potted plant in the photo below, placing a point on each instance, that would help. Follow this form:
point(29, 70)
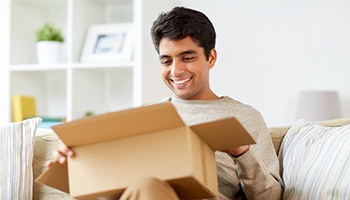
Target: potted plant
point(49, 40)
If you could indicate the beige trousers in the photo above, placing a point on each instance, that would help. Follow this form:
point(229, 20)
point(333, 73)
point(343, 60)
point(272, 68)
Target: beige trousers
point(149, 189)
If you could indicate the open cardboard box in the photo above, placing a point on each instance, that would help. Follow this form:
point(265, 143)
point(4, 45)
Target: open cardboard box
point(118, 148)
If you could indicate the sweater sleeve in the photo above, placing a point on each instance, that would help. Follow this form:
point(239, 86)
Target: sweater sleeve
point(256, 181)
point(258, 168)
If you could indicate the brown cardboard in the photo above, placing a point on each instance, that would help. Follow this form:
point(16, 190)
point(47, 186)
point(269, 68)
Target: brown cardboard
point(115, 149)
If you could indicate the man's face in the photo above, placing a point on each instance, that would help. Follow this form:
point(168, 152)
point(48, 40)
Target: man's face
point(185, 69)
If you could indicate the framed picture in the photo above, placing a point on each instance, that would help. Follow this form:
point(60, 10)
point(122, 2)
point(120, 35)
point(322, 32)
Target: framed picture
point(108, 42)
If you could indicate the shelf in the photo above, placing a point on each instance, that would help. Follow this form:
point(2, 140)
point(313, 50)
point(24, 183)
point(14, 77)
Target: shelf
point(112, 1)
point(26, 18)
point(40, 3)
point(123, 64)
point(37, 67)
point(49, 67)
point(49, 87)
point(72, 88)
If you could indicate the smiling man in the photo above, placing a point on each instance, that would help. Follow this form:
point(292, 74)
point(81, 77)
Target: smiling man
point(185, 68)
point(185, 41)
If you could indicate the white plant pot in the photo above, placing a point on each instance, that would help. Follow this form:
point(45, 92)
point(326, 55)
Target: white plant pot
point(49, 52)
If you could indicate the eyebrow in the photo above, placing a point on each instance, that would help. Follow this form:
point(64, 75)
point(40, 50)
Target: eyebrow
point(180, 54)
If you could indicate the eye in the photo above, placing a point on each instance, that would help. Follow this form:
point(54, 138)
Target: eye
point(165, 61)
point(188, 58)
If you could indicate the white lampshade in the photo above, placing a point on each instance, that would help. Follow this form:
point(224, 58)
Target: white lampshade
point(318, 105)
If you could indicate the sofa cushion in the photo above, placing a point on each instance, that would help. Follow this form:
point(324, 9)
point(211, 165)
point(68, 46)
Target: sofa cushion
point(16, 157)
point(315, 160)
point(46, 142)
point(277, 133)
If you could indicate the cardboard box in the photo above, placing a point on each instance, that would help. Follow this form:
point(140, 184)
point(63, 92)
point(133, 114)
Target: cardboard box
point(118, 148)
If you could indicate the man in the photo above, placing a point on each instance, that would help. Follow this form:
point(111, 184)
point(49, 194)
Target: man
point(185, 41)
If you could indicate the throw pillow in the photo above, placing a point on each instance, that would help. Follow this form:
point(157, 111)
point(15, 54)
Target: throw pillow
point(316, 161)
point(16, 157)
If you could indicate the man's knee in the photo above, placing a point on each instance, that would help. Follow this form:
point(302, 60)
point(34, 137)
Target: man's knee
point(149, 188)
point(148, 183)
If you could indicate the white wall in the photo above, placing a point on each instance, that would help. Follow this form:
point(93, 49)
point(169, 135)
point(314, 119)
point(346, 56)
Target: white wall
point(270, 50)
point(4, 61)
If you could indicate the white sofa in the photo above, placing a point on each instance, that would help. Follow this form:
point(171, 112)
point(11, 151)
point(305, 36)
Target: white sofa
point(46, 142)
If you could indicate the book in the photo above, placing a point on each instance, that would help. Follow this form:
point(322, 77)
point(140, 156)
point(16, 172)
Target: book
point(53, 119)
point(23, 107)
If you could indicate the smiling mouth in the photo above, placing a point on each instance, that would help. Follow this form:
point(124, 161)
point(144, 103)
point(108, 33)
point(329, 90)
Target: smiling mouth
point(181, 82)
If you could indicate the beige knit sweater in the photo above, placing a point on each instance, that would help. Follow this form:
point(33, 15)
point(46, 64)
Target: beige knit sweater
point(255, 174)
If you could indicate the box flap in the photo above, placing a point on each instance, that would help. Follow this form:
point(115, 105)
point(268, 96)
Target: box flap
point(216, 134)
point(119, 124)
point(56, 177)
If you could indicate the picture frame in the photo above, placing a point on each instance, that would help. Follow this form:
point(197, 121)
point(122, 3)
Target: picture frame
point(108, 43)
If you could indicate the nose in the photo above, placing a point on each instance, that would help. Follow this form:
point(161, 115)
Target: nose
point(177, 68)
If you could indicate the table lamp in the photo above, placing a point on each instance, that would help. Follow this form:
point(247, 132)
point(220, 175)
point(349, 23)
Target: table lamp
point(318, 105)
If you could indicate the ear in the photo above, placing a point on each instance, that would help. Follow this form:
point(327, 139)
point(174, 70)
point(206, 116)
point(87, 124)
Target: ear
point(212, 58)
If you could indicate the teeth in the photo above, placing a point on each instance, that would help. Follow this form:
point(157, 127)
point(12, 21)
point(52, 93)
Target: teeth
point(181, 81)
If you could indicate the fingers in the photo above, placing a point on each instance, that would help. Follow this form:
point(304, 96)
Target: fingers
point(49, 164)
point(60, 158)
point(61, 155)
point(66, 151)
point(237, 151)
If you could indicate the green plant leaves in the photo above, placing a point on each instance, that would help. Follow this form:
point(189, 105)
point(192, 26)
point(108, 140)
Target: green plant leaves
point(49, 32)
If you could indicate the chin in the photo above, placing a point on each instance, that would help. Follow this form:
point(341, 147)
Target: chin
point(184, 96)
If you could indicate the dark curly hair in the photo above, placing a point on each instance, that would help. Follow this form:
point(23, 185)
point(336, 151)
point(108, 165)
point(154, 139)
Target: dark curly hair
point(181, 22)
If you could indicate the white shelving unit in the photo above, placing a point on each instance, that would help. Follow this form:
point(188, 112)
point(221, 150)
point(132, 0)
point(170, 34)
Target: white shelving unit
point(71, 88)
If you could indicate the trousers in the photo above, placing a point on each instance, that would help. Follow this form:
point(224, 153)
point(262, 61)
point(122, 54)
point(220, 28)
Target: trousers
point(149, 189)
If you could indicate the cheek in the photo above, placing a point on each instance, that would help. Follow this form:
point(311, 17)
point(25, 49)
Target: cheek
point(164, 72)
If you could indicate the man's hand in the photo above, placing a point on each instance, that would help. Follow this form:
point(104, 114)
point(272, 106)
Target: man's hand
point(237, 151)
point(61, 155)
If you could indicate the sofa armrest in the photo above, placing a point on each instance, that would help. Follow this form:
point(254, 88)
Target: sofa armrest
point(277, 135)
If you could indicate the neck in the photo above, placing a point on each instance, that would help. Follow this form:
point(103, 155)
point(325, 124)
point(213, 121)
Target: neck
point(209, 96)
